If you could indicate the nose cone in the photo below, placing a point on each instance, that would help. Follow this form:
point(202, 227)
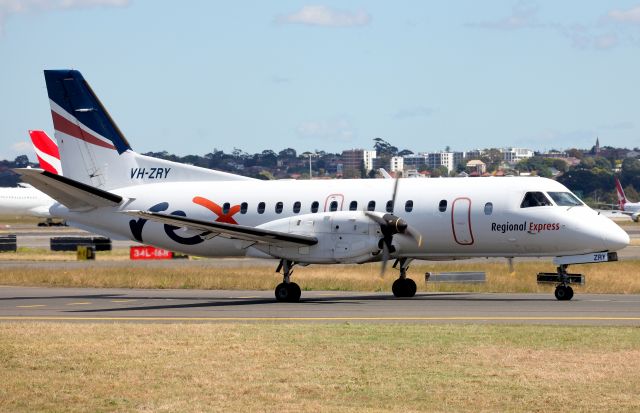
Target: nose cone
point(614, 237)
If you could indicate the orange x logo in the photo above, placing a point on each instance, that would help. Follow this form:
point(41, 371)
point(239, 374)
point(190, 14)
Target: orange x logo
point(217, 209)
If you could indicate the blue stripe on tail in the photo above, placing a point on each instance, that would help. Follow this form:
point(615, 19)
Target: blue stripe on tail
point(69, 90)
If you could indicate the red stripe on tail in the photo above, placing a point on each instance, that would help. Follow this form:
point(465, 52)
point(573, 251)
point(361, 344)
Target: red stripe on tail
point(63, 125)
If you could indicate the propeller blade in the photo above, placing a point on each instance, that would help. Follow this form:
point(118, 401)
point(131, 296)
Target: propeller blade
point(385, 259)
point(512, 270)
point(415, 235)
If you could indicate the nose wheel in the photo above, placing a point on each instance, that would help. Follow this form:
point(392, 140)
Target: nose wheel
point(287, 291)
point(564, 293)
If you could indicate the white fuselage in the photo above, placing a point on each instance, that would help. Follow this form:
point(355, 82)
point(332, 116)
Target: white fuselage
point(25, 201)
point(483, 217)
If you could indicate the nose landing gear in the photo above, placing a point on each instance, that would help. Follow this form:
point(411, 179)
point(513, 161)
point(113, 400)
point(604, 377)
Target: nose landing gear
point(563, 291)
point(287, 291)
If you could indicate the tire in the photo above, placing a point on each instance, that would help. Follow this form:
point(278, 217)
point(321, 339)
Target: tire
point(294, 292)
point(282, 292)
point(410, 287)
point(561, 293)
point(398, 288)
point(569, 293)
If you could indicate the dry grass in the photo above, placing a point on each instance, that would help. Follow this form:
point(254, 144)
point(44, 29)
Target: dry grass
point(317, 367)
point(619, 277)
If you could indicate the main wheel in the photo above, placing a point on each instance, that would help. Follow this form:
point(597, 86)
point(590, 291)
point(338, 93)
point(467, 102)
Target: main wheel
point(398, 288)
point(404, 287)
point(288, 292)
point(295, 292)
point(411, 287)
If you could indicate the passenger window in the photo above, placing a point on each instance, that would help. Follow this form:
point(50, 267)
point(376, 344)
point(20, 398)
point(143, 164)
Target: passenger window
point(371, 206)
point(353, 206)
point(261, 207)
point(408, 206)
point(488, 208)
point(442, 206)
point(225, 208)
point(389, 206)
point(244, 207)
point(534, 199)
point(314, 206)
point(278, 207)
point(333, 206)
point(296, 207)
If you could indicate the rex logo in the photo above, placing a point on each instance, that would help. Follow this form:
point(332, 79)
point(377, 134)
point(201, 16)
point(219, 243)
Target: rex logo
point(218, 210)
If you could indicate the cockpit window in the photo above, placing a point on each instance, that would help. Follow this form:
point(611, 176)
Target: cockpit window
point(565, 199)
point(534, 199)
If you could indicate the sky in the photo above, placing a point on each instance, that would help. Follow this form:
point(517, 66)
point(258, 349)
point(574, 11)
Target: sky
point(189, 77)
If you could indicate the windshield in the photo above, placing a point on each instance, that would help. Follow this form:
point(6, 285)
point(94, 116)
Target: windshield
point(565, 199)
point(534, 199)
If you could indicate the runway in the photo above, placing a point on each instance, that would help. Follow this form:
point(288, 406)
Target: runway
point(125, 305)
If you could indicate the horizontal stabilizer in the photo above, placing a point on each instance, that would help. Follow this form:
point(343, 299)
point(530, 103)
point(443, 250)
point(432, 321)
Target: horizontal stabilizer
point(240, 232)
point(72, 194)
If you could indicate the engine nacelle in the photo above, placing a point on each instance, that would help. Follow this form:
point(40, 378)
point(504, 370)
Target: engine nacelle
point(636, 217)
point(343, 237)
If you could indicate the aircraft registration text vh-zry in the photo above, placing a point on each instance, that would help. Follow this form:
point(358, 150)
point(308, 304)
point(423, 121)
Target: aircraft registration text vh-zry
point(151, 173)
point(108, 188)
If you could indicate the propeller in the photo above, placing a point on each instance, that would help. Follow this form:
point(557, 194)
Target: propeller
point(391, 225)
point(512, 270)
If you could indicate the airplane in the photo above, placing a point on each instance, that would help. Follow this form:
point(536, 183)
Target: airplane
point(628, 208)
point(110, 189)
point(25, 199)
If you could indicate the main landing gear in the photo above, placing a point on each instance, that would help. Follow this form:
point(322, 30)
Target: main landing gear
point(287, 291)
point(403, 286)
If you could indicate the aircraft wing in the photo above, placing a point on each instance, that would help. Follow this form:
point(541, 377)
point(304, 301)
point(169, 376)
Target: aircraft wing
point(72, 194)
point(231, 231)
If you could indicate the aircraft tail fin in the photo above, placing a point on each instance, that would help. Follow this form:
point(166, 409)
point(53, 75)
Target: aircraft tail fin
point(95, 152)
point(47, 151)
point(622, 198)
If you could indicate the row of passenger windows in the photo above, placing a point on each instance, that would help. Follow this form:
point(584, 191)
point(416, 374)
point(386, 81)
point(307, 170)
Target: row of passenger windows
point(333, 206)
point(315, 205)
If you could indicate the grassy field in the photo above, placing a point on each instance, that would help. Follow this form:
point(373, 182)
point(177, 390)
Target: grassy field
point(317, 367)
point(618, 277)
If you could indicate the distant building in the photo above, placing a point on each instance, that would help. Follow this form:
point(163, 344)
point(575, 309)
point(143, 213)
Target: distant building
point(416, 161)
point(352, 162)
point(396, 164)
point(477, 166)
point(515, 155)
point(369, 157)
point(437, 159)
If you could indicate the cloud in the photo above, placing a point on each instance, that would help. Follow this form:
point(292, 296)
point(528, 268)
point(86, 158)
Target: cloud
point(617, 126)
point(336, 129)
point(11, 7)
point(631, 16)
point(415, 112)
point(523, 15)
point(21, 147)
point(600, 35)
point(280, 79)
point(326, 17)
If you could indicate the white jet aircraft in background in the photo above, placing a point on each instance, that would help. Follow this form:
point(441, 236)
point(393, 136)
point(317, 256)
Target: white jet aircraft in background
point(115, 191)
point(25, 199)
point(628, 208)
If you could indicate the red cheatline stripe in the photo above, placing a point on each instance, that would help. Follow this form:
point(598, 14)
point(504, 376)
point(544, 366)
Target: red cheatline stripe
point(63, 125)
point(43, 142)
point(46, 166)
